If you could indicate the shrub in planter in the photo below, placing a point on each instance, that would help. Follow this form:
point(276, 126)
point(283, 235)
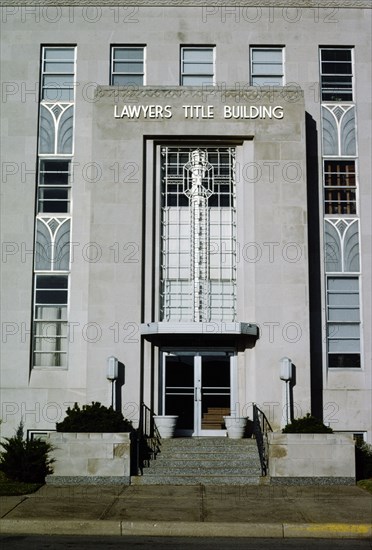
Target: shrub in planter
point(24, 460)
point(93, 418)
point(308, 424)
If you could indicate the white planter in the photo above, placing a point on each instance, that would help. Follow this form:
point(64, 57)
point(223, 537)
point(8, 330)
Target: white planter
point(235, 426)
point(166, 425)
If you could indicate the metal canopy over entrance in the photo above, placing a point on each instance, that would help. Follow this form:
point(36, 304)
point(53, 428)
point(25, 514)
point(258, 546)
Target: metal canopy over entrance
point(198, 387)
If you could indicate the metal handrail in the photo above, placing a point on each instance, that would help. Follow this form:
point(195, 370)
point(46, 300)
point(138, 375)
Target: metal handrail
point(261, 426)
point(148, 438)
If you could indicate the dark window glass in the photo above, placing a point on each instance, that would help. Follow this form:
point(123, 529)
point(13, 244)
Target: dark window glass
point(51, 289)
point(336, 74)
point(344, 360)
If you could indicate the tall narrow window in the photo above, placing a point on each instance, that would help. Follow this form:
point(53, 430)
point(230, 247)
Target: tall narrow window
point(50, 321)
point(267, 66)
point(197, 65)
point(343, 320)
point(128, 65)
point(336, 74)
point(341, 224)
point(54, 186)
point(58, 69)
point(53, 207)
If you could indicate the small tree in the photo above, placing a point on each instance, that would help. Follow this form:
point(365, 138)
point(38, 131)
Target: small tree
point(93, 418)
point(26, 460)
point(307, 424)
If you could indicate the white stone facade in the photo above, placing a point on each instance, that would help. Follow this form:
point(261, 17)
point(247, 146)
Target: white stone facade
point(256, 275)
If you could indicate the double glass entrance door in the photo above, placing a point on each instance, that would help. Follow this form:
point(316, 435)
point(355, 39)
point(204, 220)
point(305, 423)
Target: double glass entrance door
point(197, 388)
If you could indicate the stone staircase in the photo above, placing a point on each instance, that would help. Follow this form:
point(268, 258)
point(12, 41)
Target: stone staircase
point(204, 460)
point(212, 419)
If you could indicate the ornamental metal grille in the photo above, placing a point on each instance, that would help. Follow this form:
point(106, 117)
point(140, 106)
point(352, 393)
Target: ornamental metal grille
point(340, 187)
point(198, 234)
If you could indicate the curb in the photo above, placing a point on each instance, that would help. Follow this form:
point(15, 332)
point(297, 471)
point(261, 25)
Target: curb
point(185, 529)
point(59, 527)
point(327, 530)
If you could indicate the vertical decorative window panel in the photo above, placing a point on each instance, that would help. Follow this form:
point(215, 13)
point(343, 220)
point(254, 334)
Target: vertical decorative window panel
point(341, 232)
point(351, 248)
point(333, 254)
point(267, 67)
point(338, 123)
point(348, 143)
point(47, 131)
point(330, 133)
point(62, 247)
point(343, 315)
point(53, 219)
point(342, 245)
point(56, 129)
point(127, 65)
point(197, 65)
point(198, 235)
point(43, 246)
point(52, 244)
point(65, 132)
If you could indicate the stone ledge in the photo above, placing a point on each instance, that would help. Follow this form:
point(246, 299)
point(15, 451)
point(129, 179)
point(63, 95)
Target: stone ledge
point(87, 480)
point(303, 438)
point(348, 4)
point(312, 481)
point(93, 436)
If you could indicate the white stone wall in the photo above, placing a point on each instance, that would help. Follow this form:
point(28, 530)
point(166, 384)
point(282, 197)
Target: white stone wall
point(311, 455)
point(90, 455)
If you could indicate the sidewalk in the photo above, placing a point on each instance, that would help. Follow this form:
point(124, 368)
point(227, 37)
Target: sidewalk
point(197, 510)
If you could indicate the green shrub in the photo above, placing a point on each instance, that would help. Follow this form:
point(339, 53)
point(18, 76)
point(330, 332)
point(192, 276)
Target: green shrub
point(12, 488)
point(93, 418)
point(363, 460)
point(24, 460)
point(308, 424)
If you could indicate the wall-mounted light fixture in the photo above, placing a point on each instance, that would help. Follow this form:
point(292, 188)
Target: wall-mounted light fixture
point(286, 374)
point(112, 373)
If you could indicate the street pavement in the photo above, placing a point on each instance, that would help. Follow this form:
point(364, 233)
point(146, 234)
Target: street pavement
point(193, 510)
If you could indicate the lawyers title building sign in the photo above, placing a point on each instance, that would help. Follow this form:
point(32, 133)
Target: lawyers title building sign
point(199, 112)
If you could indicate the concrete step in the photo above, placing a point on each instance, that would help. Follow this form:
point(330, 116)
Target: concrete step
point(201, 471)
point(208, 443)
point(237, 463)
point(205, 460)
point(196, 465)
point(202, 455)
point(196, 480)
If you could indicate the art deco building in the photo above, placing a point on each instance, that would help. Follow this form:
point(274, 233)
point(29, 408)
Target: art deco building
point(188, 189)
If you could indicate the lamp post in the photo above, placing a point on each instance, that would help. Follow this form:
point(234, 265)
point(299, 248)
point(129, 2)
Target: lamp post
point(112, 373)
point(286, 374)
